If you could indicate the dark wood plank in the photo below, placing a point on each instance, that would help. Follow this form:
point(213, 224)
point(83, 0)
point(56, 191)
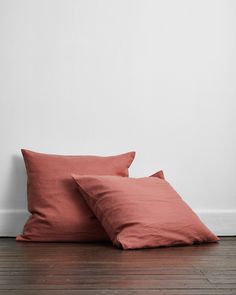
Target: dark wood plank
point(118, 292)
point(76, 268)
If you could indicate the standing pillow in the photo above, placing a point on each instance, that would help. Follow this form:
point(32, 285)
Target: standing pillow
point(142, 212)
point(58, 211)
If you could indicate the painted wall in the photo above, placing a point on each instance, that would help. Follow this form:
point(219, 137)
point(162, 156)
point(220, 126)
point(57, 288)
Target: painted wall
point(105, 77)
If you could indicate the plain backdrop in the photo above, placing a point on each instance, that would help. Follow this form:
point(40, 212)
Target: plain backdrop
point(106, 77)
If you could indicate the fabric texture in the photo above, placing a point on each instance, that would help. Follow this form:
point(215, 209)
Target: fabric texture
point(142, 212)
point(58, 211)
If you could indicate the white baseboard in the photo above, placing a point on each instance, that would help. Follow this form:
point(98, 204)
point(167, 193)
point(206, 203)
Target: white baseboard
point(221, 222)
point(12, 222)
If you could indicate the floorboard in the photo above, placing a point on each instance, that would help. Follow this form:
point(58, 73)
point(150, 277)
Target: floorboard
point(101, 269)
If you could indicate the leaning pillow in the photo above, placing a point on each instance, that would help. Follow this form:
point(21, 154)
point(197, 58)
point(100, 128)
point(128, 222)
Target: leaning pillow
point(142, 212)
point(58, 211)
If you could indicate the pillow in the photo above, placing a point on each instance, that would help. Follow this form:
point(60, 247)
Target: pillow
point(142, 212)
point(59, 213)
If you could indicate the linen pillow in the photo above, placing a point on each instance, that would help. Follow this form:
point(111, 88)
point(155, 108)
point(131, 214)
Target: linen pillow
point(142, 212)
point(59, 212)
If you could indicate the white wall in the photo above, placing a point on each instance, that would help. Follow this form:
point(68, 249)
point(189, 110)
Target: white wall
point(105, 77)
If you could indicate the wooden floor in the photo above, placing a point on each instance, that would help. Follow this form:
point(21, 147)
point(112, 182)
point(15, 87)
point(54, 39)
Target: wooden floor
point(71, 268)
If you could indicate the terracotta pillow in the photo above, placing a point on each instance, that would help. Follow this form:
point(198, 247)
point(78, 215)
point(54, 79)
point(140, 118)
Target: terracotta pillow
point(59, 213)
point(142, 212)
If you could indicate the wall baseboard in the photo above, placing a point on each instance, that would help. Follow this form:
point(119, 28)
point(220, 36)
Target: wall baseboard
point(221, 222)
point(12, 222)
